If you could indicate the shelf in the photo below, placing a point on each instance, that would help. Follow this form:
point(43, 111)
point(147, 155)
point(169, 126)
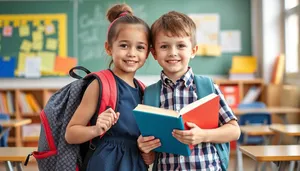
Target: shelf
point(11, 139)
point(31, 139)
point(226, 81)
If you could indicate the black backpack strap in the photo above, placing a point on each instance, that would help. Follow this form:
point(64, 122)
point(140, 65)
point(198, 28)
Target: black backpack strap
point(74, 75)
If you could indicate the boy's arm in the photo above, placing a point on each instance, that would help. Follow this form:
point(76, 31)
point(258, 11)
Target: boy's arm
point(228, 131)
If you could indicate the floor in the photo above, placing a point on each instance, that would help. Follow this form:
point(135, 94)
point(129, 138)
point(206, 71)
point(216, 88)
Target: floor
point(248, 165)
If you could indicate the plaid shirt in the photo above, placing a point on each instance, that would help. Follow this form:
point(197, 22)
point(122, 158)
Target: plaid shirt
point(175, 96)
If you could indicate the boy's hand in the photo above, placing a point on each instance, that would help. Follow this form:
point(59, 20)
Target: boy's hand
point(105, 120)
point(193, 136)
point(146, 144)
point(148, 157)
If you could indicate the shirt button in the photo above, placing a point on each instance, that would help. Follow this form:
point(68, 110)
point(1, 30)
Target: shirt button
point(181, 158)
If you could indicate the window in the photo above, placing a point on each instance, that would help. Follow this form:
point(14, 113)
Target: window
point(292, 36)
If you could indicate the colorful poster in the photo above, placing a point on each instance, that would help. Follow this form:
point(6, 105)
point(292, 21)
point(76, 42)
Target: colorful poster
point(7, 31)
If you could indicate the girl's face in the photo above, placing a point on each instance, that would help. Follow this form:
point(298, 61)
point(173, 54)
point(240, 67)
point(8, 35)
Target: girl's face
point(129, 50)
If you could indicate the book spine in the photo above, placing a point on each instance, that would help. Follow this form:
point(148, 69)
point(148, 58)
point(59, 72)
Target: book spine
point(183, 127)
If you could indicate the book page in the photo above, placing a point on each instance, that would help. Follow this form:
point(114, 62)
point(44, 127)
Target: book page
point(156, 110)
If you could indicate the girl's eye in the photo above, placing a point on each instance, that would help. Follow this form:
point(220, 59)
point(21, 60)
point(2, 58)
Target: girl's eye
point(163, 46)
point(123, 45)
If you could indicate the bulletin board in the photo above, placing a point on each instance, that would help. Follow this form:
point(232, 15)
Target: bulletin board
point(32, 35)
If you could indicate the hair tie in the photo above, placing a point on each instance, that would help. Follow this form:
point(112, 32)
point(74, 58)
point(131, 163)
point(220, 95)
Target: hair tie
point(119, 16)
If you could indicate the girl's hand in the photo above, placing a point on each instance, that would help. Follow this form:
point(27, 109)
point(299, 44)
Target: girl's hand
point(105, 120)
point(146, 144)
point(148, 157)
point(193, 136)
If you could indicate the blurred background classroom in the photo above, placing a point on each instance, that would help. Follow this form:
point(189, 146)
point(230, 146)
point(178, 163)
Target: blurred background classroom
point(249, 47)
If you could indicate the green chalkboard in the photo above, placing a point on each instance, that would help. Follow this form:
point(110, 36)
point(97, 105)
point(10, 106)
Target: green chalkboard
point(87, 27)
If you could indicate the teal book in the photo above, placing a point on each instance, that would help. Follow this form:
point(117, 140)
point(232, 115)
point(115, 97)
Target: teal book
point(156, 125)
point(160, 123)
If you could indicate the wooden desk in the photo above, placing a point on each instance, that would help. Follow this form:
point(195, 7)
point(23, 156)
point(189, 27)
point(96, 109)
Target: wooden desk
point(280, 111)
point(17, 155)
point(271, 153)
point(256, 130)
point(15, 123)
point(290, 129)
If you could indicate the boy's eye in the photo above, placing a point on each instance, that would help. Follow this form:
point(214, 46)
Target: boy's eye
point(140, 47)
point(163, 46)
point(181, 45)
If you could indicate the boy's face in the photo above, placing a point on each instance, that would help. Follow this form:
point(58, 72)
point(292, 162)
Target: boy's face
point(173, 53)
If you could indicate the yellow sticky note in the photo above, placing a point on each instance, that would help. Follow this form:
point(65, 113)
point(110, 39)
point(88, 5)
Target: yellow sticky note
point(48, 60)
point(6, 22)
point(37, 45)
point(51, 44)
point(21, 61)
point(40, 28)
point(50, 29)
point(37, 36)
point(17, 23)
point(36, 23)
point(26, 46)
point(213, 50)
point(23, 22)
point(24, 31)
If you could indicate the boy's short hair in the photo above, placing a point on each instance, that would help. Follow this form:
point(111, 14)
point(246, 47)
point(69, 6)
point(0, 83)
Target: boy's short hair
point(174, 24)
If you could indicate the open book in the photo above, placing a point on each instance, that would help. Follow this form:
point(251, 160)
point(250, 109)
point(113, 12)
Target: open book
point(160, 123)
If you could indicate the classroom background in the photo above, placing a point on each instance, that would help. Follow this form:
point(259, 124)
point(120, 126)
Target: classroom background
point(249, 47)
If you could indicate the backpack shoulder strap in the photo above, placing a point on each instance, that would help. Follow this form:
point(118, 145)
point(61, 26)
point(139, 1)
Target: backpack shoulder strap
point(204, 86)
point(152, 94)
point(108, 90)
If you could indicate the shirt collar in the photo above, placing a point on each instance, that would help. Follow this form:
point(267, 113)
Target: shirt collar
point(187, 78)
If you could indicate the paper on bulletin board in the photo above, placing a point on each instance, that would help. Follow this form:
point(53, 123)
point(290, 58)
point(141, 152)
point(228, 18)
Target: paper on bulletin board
point(48, 60)
point(24, 31)
point(38, 46)
point(50, 29)
point(26, 46)
point(21, 62)
point(37, 36)
point(231, 41)
point(33, 67)
point(51, 44)
point(7, 31)
point(207, 28)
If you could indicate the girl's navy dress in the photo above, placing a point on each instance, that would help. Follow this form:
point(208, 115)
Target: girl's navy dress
point(117, 149)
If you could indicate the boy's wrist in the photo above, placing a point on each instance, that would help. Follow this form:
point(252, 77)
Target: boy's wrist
point(206, 136)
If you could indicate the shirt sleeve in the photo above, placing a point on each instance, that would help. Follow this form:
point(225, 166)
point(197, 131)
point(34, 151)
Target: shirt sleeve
point(225, 112)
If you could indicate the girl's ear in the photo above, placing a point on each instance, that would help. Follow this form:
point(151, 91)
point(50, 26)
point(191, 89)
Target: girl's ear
point(107, 49)
point(194, 51)
point(153, 52)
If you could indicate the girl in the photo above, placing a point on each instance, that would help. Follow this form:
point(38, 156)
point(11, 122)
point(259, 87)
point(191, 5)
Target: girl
point(128, 41)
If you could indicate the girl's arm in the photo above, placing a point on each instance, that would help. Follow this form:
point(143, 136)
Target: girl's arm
point(77, 131)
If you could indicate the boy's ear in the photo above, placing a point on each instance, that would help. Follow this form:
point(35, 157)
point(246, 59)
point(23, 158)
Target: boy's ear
point(107, 49)
point(153, 52)
point(194, 51)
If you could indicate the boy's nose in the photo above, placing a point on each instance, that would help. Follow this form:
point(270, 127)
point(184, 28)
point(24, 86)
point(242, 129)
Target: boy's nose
point(173, 52)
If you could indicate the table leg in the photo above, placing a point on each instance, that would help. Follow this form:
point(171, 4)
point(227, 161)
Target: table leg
point(283, 117)
point(19, 166)
point(8, 166)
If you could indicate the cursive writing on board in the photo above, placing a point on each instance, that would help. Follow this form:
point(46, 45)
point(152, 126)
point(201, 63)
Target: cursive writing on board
point(92, 27)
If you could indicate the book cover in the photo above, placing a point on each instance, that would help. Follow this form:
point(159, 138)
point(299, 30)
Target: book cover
point(160, 123)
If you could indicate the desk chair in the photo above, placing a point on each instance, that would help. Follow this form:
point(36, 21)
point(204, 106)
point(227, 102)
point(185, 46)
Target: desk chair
point(4, 132)
point(251, 119)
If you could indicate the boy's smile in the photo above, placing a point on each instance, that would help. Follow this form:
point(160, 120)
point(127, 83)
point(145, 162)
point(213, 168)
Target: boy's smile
point(173, 54)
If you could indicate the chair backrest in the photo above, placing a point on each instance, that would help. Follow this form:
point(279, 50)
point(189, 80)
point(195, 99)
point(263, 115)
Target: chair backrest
point(251, 105)
point(263, 118)
point(4, 139)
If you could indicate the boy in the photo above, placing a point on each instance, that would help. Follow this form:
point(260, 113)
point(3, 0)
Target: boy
point(174, 44)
